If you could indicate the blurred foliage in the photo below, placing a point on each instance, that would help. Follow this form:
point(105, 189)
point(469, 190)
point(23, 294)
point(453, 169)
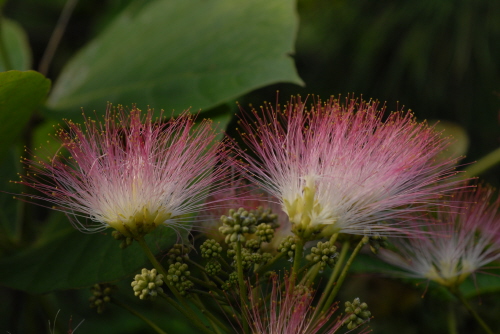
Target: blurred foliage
point(438, 58)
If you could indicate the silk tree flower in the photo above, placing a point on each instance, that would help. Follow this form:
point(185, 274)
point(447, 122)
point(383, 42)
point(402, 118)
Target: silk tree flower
point(461, 241)
point(347, 166)
point(130, 172)
point(291, 311)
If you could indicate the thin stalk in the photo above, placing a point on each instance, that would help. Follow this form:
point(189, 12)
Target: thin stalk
point(269, 264)
point(452, 321)
point(225, 264)
point(299, 251)
point(216, 323)
point(241, 283)
point(56, 36)
point(205, 284)
point(476, 316)
point(333, 278)
point(310, 275)
point(140, 316)
point(208, 294)
point(483, 164)
point(186, 310)
point(343, 275)
point(151, 257)
point(203, 270)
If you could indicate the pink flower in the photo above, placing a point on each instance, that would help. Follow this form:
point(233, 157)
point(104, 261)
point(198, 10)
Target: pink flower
point(458, 242)
point(130, 172)
point(346, 166)
point(291, 311)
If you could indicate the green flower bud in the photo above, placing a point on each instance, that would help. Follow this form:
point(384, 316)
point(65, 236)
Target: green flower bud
point(147, 284)
point(236, 224)
point(101, 295)
point(213, 267)
point(177, 253)
point(178, 275)
point(265, 232)
point(288, 246)
point(359, 313)
point(324, 254)
point(210, 249)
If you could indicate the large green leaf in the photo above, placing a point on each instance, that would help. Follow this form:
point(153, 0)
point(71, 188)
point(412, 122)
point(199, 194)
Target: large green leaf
point(180, 54)
point(16, 46)
point(64, 258)
point(20, 94)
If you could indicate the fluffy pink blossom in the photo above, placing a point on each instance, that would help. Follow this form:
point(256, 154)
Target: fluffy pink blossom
point(458, 242)
point(349, 166)
point(291, 311)
point(130, 172)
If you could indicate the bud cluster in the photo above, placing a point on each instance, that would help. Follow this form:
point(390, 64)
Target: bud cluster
point(265, 232)
point(210, 249)
point(358, 313)
point(265, 216)
point(376, 242)
point(288, 246)
point(125, 241)
point(213, 268)
point(233, 279)
point(236, 224)
point(324, 254)
point(178, 275)
point(101, 295)
point(147, 284)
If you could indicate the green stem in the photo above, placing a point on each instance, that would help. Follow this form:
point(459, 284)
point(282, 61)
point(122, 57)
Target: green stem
point(216, 323)
point(299, 251)
point(56, 36)
point(333, 278)
point(140, 316)
point(269, 264)
point(241, 283)
point(343, 275)
point(472, 312)
point(207, 285)
point(309, 277)
point(151, 257)
point(208, 294)
point(204, 271)
point(452, 321)
point(333, 238)
point(186, 310)
point(225, 264)
point(483, 164)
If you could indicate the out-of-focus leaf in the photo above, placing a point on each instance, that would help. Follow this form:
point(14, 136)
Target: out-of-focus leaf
point(10, 209)
point(459, 138)
point(16, 45)
point(482, 283)
point(20, 94)
point(181, 54)
point(65, 258)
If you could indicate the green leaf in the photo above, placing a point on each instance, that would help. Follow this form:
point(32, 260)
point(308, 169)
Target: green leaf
point(64, 258)
point(481, 283)
point(16, 44)
point(181, 54)
point(20, 94)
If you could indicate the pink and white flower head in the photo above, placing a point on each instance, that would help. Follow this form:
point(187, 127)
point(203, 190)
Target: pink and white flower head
point(458, 242)
point(292, 311)
point(347, 166)
point(130, 172)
